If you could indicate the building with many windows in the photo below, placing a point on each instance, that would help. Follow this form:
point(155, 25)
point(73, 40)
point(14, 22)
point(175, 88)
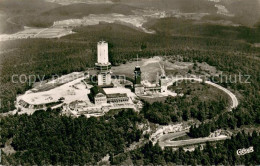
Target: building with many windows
point(117, 98)
point(103, 96)
point(105, 92)
point(103, 65)
point(100, 99)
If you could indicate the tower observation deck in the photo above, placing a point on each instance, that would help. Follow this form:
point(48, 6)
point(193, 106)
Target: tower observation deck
point(103, 65)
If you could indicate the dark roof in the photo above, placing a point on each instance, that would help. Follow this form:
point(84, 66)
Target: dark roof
point(96, 89)
point(137, 68)
point(116, 95)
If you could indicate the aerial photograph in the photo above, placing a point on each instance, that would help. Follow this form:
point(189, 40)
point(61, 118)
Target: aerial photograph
point(129, 82)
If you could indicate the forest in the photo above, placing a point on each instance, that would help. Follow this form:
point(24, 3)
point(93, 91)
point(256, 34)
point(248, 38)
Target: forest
point(46, 137)
point(220, 153)
point(228, 120)
point(180, 109)
point(49, 138)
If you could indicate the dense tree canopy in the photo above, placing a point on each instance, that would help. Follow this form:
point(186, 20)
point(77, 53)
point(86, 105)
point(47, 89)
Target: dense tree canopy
point(48, 138)
point(220, 153)
point(176, 109)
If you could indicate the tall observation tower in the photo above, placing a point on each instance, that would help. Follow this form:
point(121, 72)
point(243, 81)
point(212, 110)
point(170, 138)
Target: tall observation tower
point(103, 65)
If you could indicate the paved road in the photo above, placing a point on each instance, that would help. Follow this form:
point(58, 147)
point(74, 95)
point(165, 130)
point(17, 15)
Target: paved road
point(230, 94)
point(171, 136)
point(166, 140)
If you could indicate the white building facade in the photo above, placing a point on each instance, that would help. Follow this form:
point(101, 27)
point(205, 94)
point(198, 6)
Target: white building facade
point(103, 65)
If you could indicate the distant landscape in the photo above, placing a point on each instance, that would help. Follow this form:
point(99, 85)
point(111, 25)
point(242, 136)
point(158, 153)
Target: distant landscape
point(15, 14)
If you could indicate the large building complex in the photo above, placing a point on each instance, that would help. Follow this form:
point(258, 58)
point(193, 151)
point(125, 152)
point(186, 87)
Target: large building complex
point(75, 95)
point(105, 92)
point(100, 94)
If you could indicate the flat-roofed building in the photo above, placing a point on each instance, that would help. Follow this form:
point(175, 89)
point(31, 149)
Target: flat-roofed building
point(102, 96)
point(117, 98)
point(100, 99)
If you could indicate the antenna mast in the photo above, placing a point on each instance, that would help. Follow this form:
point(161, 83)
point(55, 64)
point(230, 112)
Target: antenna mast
point(137, 60)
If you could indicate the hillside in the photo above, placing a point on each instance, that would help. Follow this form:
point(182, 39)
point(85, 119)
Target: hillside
point(76, 11)
point(76, 52)
point(64, 136)
point(205, 111)
point(13, 12)
point(179, 27)
point(244, 12)
point(38, 13)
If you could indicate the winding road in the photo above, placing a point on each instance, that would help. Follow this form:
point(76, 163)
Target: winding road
point(228, 92)
point(166, 140)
